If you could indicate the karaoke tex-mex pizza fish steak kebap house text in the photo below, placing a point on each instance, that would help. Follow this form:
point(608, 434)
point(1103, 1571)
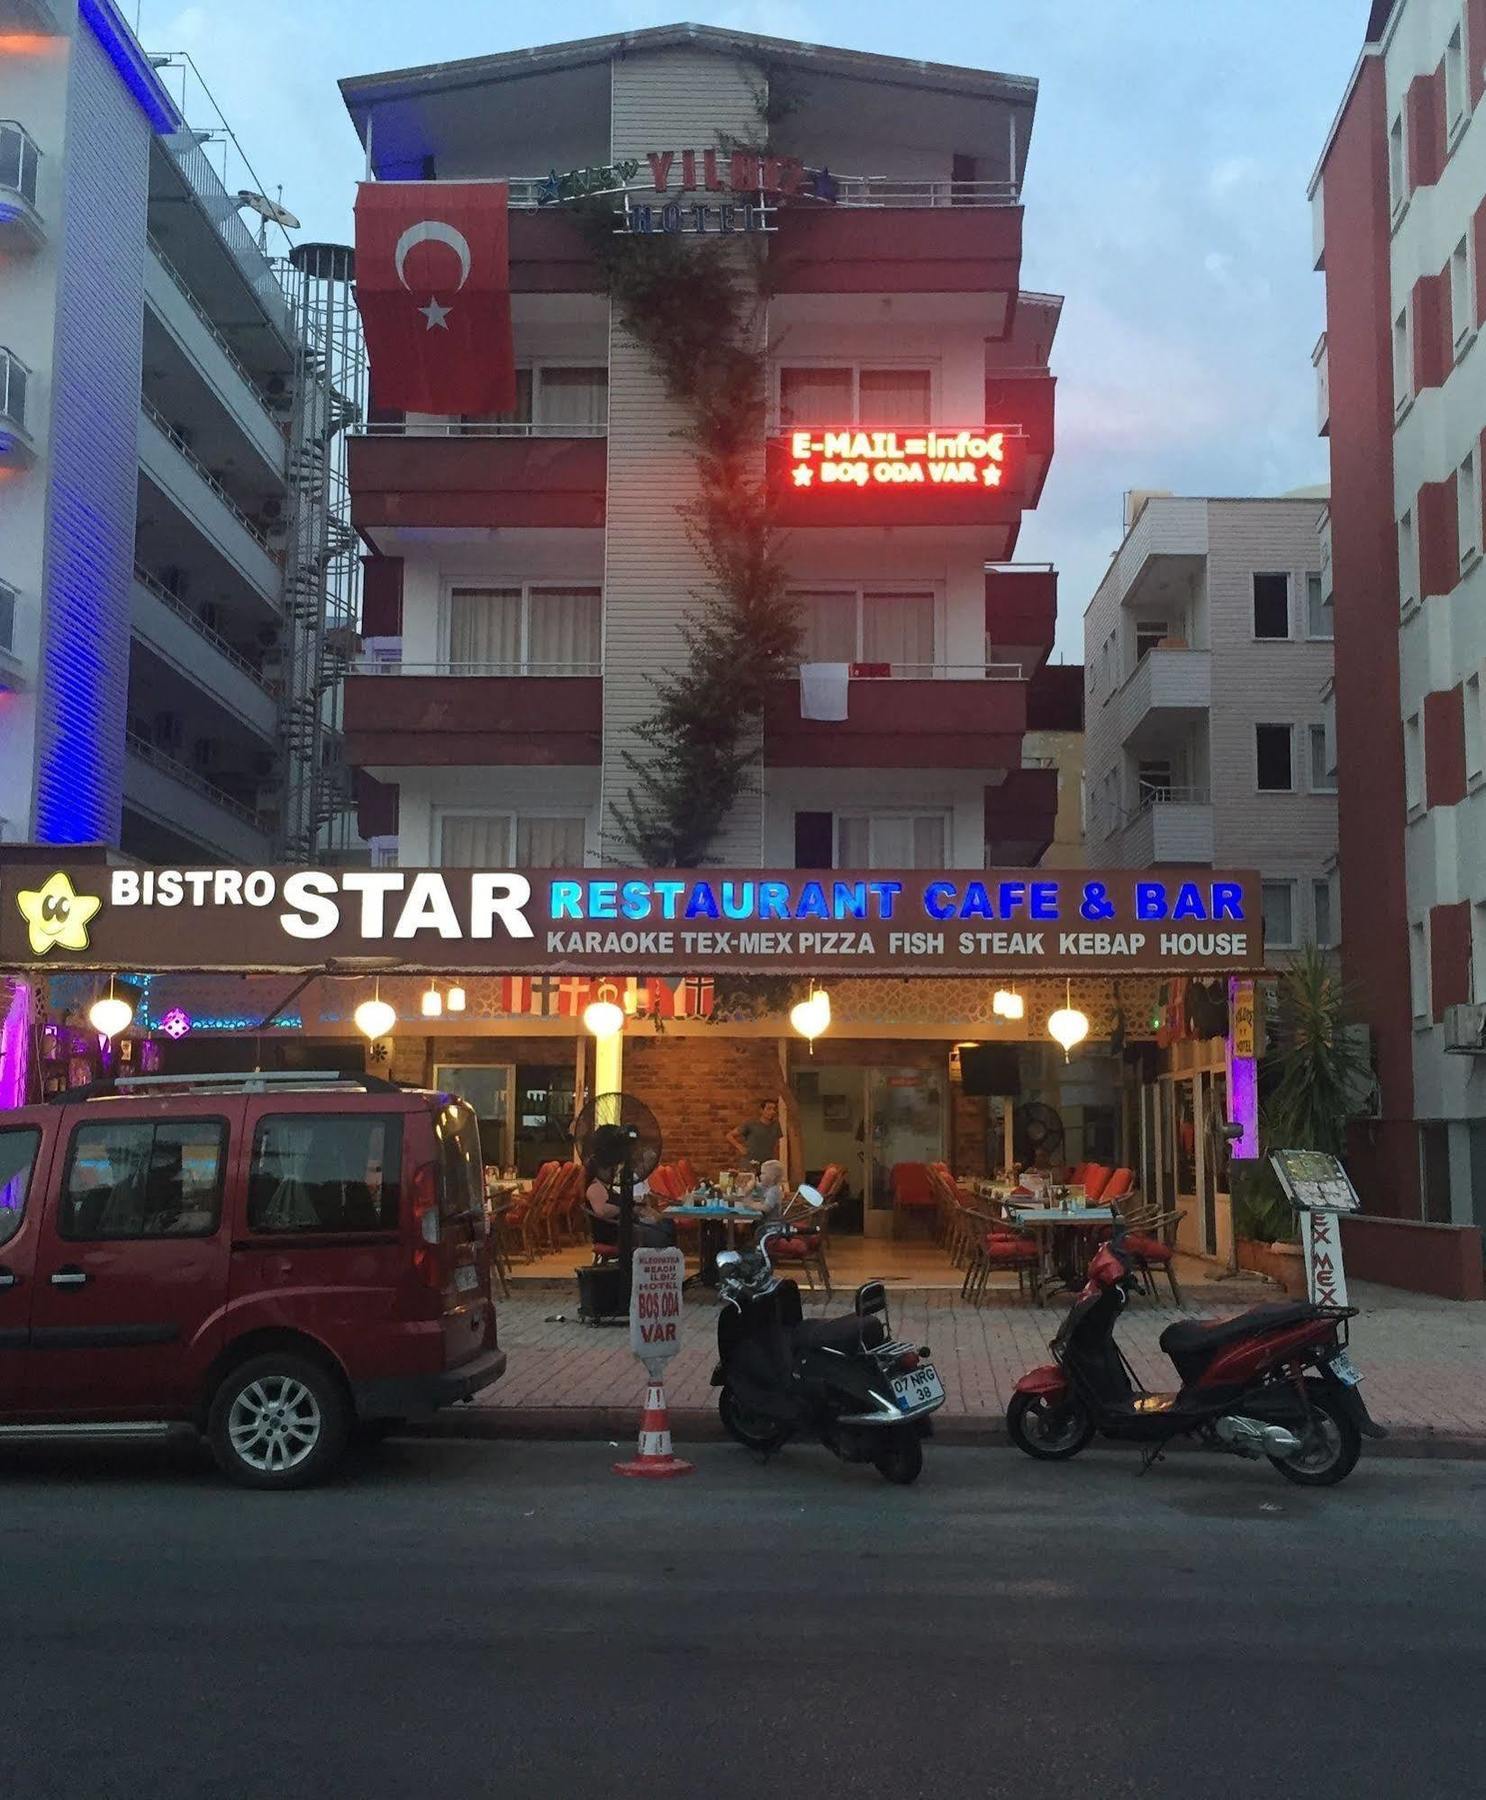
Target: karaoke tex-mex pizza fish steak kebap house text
point(948, 922)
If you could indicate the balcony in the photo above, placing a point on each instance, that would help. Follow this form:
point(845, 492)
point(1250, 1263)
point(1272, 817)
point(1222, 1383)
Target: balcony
point(1327, 587)
point(178, 637)
point(1321, 365)
point(20, 161)
point(1170, 690)
point(1021, 613)
point(1023, 401)
point(956, 717)
point(906, 238)
point(172, 466)
point(16, 448)
point(1020, 817)
point(1174, 826)
point(413, 715)
point(172, 795)
point(830, 475)
point(449, 475)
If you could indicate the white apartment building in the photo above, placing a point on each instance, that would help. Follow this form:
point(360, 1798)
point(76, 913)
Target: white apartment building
point(1207, 655)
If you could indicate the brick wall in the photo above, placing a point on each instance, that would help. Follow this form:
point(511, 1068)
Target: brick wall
point(699, 1088)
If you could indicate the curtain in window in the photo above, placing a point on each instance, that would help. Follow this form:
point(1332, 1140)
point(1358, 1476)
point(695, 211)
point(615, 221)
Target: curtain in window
point(549, 843)
point(853, 843)
point(815, 396)
point(893, 397)
point(520, 414)
point(474, 840)
point(563, 636)
point(485, 630)
point(928, 844)
point(899, 629)
point(829, 623)
point(574, 396)
point(890, 841)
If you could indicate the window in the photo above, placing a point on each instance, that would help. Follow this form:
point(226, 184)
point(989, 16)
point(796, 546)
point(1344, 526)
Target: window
point(12, 387)
point(556, 396)
point(1413, 762)
point(1419, 969)
point(852, 395)
point(1468, 508)
point(1325, 932)
point(1454, 81)
point(873, 625)
point(17, 1159)
point(19, 159)
point(1318, 614)
point(1279, 914)
point(1478, 957)
point(461, 1168)
point(525, 630)
point(1323, 778)
point(1408, 565)
point(1475, 731)
point(890, 841)
point(1398, 167)
point(1271, 606)
point(486, 1088)
point(499, 840)
point(143, 1178)
point(1148, 634)
point(325, 1172)
point(1273, 750)
point(1462, 295)
point(1403, 362)
point(1434, 1172)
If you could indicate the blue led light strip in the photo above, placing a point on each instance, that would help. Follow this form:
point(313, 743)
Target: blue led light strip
point(122, 49)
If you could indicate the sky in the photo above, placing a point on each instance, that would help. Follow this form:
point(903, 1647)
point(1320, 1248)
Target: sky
point(1165, 197)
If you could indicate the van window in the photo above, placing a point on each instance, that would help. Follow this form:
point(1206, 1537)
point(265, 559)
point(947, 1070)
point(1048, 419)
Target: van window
point(461, 1170)
point(319, 1172)
point(17, 1159)
point(143, 1178)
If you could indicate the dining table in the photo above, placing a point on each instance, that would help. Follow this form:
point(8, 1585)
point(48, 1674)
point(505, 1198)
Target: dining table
point(1061, 1233)
point(719, 1221)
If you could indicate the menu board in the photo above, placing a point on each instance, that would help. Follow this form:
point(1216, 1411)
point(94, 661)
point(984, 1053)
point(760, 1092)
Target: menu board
point(1314, 1181)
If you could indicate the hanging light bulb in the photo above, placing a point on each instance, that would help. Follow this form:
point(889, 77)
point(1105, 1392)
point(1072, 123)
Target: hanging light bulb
point(433, 1002)
point(375, 1018)
point(1007, 1003)
point(604, 1016)
point(454, 1000)
point(1068, 1025)
point(811, 1016)
point(111, 1014)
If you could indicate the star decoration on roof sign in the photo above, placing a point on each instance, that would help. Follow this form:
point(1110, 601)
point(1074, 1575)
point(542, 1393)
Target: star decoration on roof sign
point(435, 314)
point(56, 914)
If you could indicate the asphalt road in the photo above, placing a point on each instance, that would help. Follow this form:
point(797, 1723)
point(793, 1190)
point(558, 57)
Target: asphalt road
point(510, 1620)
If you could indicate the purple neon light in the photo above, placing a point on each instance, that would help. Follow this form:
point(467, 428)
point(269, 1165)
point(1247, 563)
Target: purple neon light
point(1243, 1092)
point(15, 1047)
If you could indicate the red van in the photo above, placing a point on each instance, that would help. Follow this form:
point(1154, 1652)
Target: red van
point(274, 1259)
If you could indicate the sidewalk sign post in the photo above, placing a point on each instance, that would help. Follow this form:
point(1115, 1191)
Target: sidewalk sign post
point(1321, 1191)
point(655, 1337)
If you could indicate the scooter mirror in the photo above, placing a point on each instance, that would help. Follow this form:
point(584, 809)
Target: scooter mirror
point(812, 1197)
point(728, 1259)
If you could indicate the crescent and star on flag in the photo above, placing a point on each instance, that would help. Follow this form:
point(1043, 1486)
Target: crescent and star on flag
point(433, 231)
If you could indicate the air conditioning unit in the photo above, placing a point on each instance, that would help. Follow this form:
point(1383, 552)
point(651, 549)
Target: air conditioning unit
point(1465, 1030)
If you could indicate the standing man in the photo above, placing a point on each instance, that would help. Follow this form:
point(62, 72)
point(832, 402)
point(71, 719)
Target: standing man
point(757, 1139)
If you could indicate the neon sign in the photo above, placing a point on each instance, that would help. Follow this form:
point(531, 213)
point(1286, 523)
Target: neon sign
point(973, 458)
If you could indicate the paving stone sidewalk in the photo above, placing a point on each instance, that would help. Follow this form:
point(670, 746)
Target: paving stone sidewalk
point(1423, 1361)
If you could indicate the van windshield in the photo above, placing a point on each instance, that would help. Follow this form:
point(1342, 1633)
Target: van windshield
point(461, 1170)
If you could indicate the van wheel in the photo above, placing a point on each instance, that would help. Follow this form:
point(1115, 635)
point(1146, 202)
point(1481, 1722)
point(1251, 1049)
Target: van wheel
point(279, 1421)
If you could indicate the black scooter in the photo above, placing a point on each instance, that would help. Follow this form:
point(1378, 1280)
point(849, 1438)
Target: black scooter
point(845, 1381)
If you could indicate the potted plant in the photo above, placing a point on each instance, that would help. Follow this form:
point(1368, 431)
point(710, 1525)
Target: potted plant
point(1310, 1074)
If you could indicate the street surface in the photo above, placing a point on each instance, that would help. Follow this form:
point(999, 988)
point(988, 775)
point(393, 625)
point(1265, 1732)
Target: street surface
point(470, 1619)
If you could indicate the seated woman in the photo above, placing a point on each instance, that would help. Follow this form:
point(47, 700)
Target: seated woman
point(652, 1232)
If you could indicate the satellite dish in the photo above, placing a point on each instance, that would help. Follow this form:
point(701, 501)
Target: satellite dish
point(267, 209)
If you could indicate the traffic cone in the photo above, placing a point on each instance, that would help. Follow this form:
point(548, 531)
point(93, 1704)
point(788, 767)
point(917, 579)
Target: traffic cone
point(654, 1458)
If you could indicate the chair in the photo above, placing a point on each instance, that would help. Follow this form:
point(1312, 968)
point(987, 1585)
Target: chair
point(565, 1212)
point(805, 1247)
point(522, 1219)
point(1096, 1177)
point(542, 1216)
point(997, 1247)
point(1151, 1252)
point(1077, 1173)
point(689, 1182)
point(913, 1192)
point(1119, 1184)
point(666, 1183)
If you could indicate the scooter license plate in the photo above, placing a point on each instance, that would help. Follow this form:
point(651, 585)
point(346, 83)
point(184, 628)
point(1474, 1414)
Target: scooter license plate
point(920, 1387)
point(1344, 1369)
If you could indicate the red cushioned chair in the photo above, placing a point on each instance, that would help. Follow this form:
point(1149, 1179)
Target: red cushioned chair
point(805, 1248)
point(688, 1174)
point(913, 1192)
point(1096, 1178)
point(999, 1247)
point(1118, 1185)
point(1153, 1255)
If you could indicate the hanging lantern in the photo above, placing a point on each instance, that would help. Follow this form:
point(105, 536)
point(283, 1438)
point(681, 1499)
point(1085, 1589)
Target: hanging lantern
point(1006, 1003)
point(454, 1000)
point(433, 1002)
point(811, 1016)
point(375, 1018)
point(1068, 1026)
point(111, 1014)
point(604, 1016)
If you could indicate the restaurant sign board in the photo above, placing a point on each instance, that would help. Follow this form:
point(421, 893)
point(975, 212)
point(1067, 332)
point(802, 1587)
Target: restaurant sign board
point(703, 921)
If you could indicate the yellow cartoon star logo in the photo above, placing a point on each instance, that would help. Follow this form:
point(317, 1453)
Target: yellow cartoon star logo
point(57, 915)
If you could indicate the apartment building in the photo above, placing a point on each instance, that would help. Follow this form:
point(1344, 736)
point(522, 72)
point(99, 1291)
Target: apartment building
point(1399, 204)
point(166, 536)
point(1207, 666)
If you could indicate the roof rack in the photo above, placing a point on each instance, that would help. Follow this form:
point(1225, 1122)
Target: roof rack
point(230, 1081)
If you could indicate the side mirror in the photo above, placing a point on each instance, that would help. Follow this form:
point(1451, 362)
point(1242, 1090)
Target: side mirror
point(728, 1260)
point(812, 1197)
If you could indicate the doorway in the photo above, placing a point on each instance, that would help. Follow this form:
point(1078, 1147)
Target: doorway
point(867, 1120)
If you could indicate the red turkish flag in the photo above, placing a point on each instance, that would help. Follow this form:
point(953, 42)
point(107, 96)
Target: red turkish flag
point(433, 282)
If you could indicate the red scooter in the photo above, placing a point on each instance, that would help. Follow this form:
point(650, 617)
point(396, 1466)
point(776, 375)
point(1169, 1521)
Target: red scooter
point(1244, 1386)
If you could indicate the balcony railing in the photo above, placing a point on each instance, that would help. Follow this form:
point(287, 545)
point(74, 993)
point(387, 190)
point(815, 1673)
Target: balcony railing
point(203, 630)
point(222, 210)
point(476, 428)
point(851, 190)
point(206, 319)
point(251, 526)
point(13, 375)
point(19, 160)
point(1153, 794)
point(178, 771)
point(374, 663)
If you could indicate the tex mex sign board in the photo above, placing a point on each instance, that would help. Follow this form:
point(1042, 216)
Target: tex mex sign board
point(844, 922)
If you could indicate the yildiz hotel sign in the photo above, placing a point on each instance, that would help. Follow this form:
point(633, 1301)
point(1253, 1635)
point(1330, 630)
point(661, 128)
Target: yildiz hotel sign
point(846, 922)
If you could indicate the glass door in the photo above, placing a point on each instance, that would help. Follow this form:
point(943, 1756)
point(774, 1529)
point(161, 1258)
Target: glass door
point(832, 1106)
point(1184, 1143)
point(1214, 1174)
point(905, 1110)
point(545, 1105)
point(486, 1087)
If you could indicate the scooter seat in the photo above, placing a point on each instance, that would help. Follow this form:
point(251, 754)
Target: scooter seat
point(848, 1333)
point(1190, 1338)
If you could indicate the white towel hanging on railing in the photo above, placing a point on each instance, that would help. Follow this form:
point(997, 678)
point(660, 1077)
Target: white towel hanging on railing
point(823, 690)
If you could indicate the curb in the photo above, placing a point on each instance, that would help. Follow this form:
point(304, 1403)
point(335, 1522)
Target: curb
point(700, 1425)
